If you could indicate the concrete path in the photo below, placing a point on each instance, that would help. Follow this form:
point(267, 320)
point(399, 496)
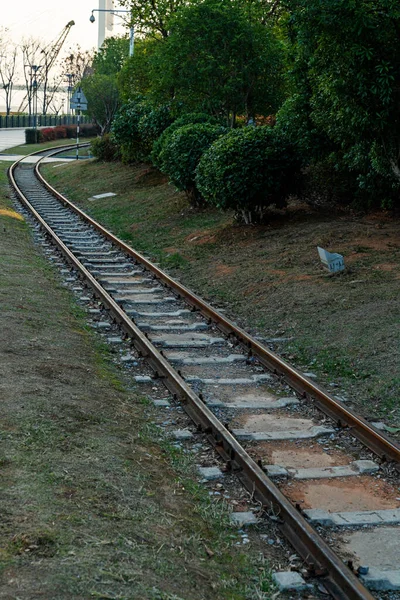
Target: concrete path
point(11, 137)
point(33, 159)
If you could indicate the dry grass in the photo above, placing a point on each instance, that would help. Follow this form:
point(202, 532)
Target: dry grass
point(82, 467)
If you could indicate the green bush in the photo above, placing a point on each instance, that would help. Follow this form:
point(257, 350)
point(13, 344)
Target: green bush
point(152, 124)
point(104, 148)
point(32, 136)
point(181, 153)
point(186, 119)
point(248, 170)
point(125, 130)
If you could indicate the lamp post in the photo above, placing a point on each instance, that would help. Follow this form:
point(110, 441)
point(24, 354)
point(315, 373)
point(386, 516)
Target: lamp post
point(70, 77)
point(35, 69)
point(114, 12)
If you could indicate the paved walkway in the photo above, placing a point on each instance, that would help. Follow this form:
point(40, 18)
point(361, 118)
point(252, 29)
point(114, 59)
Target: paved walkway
point(33, 159)
point(11, 137)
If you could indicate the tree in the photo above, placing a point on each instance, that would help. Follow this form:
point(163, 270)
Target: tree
point(30, 48)
point(49, 87)
point(8, 56)
point(110, 58)
point(77, 64)
point(181, 154)
point(152, 16)
point(135, 77)
point(347, 60)
point(215, 60)
point(103, 99)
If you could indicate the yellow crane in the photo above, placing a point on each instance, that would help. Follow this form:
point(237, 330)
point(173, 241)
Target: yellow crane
point(49, 56)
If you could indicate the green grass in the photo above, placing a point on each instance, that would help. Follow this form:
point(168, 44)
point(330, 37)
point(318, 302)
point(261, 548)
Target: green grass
point(269, 277)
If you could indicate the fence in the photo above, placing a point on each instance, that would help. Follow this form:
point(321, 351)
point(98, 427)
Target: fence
point(41, 120)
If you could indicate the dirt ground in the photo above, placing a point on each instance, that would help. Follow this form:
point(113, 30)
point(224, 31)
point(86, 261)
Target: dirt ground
point(92, 505)
point(344, 328)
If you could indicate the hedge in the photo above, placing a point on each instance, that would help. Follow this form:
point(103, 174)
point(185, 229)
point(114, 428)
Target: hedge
point(181, 153)
point(248, 170)
point(186, 119)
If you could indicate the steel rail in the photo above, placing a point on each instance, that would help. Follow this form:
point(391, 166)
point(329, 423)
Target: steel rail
point(322, 561)
point(376, 440)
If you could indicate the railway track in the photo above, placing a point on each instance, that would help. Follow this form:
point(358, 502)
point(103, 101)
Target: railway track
point(320, 471)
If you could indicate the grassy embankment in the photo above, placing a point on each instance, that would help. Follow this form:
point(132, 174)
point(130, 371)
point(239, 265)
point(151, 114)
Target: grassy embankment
point(344, 328)
point(95, 503)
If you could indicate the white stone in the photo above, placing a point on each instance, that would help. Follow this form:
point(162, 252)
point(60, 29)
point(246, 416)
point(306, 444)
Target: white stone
point(161, 403)
point(275, 471)
point(224, 381)
point(297, 434)
point(243, 518)
point(210, 473)
point(289, 581)
point(100, 196)
point(182, 434)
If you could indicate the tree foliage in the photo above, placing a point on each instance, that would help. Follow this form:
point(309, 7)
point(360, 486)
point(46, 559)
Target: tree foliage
point(330, 71)
point(112, 55)
point(347, 66)
point(217, 61)
point(103, 99)
point(77, 64)
point(151, 17)
point(135, 76)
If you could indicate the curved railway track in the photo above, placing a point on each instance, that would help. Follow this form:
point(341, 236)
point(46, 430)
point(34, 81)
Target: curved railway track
point(220, 374)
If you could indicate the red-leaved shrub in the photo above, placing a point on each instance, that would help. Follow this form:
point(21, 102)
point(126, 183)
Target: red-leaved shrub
point(60, 132)
point(47, 134)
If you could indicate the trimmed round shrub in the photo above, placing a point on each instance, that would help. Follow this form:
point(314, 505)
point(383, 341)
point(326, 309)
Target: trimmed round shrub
point(33, 136)
point(181, 153)
point(248, 170)
point(152, 124)
point(125, 130)
point(187, 119)
point(104, 148)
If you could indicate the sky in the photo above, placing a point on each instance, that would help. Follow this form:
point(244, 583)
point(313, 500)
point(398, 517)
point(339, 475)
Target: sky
point(45, 19)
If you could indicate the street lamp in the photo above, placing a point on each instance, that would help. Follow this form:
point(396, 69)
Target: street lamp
point(114, 12)
point(70, 77)
point(35, 69)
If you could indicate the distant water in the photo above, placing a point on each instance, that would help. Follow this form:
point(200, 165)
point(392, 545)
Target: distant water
point(18, 96)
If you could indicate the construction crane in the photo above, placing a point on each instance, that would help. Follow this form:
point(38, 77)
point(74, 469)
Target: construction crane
point(49, 56)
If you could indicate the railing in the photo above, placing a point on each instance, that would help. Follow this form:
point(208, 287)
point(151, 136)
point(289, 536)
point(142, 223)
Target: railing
point(41, 120)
